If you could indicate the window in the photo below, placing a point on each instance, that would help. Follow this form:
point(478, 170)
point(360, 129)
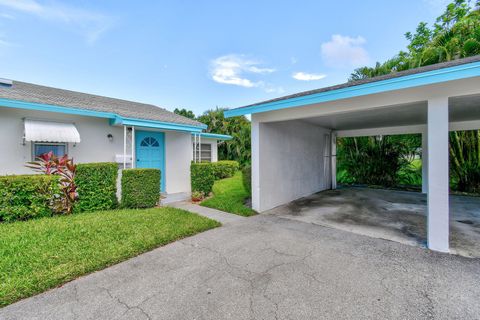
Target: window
point(149, 142)
point(58, 149)
point(206, 152)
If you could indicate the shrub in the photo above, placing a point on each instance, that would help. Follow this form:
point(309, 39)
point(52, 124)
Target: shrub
point(225, 168)
point(202, 177)
point(465, 160)
point(247, 178)
point(197, 196)
point(25, 197)
point(376, 160)
point(140, 188)
point(204, 174)
point(50, 164)
point(97, 186)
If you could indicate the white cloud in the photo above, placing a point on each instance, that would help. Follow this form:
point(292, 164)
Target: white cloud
point(272, 89)
point(7, 16)
point(304, 76)
point(345, 51)
point(90, 24)
point(236, 70)
point(4, 43)
point(23, 5)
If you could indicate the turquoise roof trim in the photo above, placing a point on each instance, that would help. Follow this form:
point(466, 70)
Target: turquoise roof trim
point(156, 124)
point(214, 136)
point(114, 118)
point(463, 71)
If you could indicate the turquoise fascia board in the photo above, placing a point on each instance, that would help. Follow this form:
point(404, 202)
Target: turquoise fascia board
point(425, 78)
point(17, 104)
point(159, 125)
point(114, 118)
point(215, 136)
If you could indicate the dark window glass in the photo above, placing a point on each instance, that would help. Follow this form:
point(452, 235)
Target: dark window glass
point(57, 149)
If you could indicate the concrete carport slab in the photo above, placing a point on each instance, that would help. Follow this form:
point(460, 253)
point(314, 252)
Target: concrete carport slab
point(294, 137)
point(387, 214)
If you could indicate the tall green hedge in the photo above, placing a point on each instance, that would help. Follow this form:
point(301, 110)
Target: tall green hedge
point(225, 168)
point(247, 178)
point(204, 174)
point(97, 186)
point(140, 188)
point(26, 197)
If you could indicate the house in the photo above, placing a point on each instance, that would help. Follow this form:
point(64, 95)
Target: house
point(36, 119)
point(294, 137)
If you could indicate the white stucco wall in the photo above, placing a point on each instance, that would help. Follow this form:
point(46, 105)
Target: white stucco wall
point(178, 154)
point(94, 145)
point(287, 162)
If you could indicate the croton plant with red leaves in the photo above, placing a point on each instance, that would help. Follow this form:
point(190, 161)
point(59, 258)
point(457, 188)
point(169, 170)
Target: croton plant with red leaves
point(64, 167)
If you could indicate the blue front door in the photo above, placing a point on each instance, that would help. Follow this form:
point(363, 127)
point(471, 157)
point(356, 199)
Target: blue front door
point(150, 151)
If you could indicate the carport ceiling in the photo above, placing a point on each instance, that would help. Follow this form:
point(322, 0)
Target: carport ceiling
point(461, 109)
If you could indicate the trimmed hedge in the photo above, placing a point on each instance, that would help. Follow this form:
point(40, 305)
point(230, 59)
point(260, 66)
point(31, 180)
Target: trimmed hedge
point(247, 178)
point(203, 175)
point(225, 168)
point(24, 197)
point(96, 186)
point(140, 188)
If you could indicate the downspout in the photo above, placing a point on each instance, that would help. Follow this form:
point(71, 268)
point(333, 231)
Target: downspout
point(195, 148)
point(134, 162)
point(124, 147)
point(333, 153)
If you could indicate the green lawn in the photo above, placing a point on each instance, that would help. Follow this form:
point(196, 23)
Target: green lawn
point(229, 195)
point(40, 254)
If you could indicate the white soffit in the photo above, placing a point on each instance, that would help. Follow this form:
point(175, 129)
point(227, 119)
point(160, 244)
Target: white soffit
point(49, 131)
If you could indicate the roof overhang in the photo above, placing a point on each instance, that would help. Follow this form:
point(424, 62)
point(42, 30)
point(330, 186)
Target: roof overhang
point(115, 119)
point(458, 72)
point(214, 136)
point(50, 131)
point(118, 120)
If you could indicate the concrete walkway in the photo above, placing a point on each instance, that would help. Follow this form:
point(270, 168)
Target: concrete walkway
point(223, 217)
point(269, 267)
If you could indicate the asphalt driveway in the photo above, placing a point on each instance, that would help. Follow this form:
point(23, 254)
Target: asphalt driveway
point(270, 267)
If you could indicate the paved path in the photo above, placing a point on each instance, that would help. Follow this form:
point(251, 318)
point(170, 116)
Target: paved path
point(220, 216)
point(269, 267)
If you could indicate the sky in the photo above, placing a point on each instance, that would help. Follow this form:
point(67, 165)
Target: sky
point(204, 54)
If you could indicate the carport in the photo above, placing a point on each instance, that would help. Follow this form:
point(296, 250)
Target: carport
point(294, 137)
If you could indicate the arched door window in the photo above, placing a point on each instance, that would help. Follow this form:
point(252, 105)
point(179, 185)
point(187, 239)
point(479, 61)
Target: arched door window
point(149, 142)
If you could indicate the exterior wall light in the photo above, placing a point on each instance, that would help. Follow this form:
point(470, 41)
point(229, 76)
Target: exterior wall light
point(110, 137)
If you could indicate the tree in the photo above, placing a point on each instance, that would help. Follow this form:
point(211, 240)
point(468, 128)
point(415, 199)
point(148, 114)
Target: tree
point(455, 35)
point(238, 148)
point(184, 112)
point(379, 160)
point(238, 127)
point(465, 160)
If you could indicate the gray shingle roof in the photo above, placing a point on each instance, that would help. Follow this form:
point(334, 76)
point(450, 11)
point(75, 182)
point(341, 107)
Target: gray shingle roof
point(76, 100)
point(432, 67)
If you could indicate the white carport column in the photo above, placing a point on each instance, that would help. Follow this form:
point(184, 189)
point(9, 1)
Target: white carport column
point(333, 159)
point(424, 162)
point(438, 210)
point(255, 164)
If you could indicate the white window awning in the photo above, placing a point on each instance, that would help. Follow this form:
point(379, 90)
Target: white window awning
point(49, 131)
